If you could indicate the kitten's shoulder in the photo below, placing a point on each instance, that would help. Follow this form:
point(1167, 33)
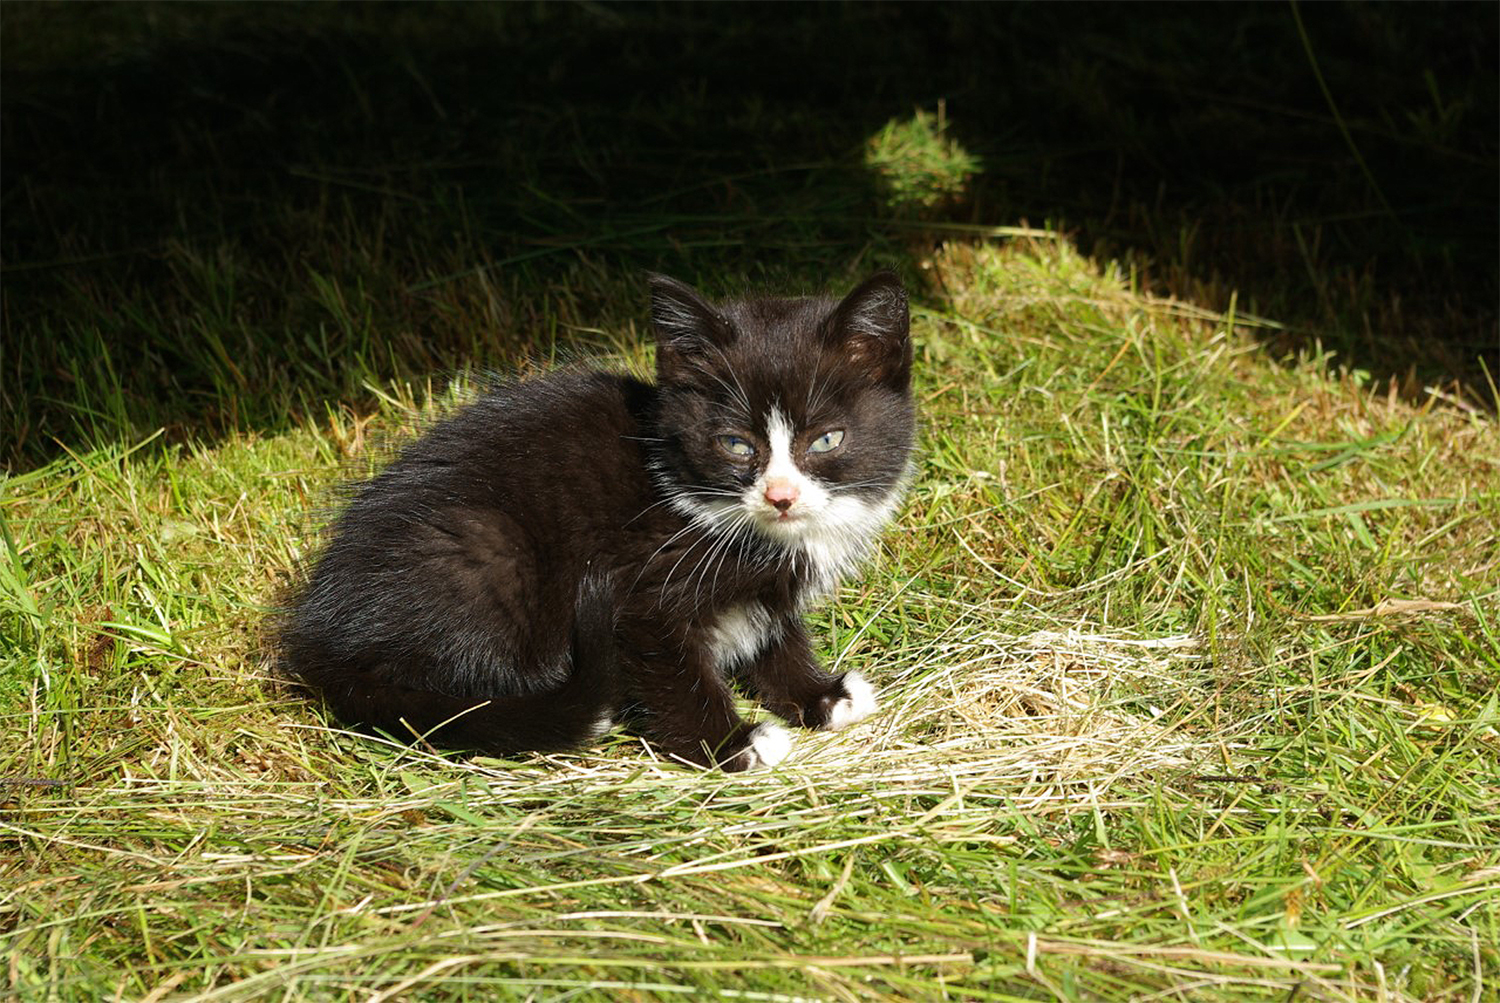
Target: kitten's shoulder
point(567, 388)
point(560, 404)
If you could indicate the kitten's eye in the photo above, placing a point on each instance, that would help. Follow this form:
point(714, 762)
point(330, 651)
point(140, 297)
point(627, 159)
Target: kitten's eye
point(735, 446)
point(827, 442)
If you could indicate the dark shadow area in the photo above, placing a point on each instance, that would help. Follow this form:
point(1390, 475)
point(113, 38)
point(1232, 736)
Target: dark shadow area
point(219, 216)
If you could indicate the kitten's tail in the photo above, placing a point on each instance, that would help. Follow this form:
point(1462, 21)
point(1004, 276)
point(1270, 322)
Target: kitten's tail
point(579, 711)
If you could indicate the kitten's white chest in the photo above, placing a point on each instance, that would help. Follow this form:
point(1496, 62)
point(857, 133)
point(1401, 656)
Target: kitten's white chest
point(740, 633)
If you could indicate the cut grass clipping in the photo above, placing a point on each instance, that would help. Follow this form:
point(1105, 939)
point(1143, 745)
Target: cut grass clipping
point(1188, 665)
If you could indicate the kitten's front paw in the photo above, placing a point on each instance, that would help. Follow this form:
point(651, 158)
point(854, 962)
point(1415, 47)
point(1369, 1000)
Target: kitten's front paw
point(768, 745)
point(854, 701)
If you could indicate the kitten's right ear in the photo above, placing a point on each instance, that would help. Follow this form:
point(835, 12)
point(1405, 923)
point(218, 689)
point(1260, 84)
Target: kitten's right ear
point(687, 327)
point(871, 328)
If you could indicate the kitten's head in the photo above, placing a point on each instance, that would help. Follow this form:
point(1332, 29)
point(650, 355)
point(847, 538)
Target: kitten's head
point(790, 417)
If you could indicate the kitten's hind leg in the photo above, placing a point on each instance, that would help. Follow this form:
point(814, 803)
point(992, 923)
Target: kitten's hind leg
point(576, 713)
point(790, 683)
point(389, 698)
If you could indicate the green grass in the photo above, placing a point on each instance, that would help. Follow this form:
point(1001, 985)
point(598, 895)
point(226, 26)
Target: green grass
point(1188, 647)
point(1146, 725)
point(917, 165)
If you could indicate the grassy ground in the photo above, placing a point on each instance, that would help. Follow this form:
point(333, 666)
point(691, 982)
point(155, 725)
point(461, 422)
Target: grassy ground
point(1188, 649)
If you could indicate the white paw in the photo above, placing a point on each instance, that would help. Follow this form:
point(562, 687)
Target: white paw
point(768, 746)
point(858, 705)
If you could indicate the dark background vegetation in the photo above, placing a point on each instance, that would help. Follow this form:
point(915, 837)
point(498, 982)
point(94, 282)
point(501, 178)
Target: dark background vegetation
point(223, 216)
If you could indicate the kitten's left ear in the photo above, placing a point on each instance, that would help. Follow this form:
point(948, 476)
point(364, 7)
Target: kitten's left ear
point(687, 328)
point(871, 328)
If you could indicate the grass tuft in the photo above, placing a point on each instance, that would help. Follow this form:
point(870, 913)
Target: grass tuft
point(919, 166)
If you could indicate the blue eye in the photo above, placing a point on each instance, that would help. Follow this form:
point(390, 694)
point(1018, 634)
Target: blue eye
point(827, 442)
point(735, 446)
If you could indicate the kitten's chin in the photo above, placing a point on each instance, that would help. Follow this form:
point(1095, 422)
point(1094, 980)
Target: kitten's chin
point(786, 527)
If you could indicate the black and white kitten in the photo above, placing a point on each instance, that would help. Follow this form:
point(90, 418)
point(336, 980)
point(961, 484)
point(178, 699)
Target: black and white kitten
point(586, 547)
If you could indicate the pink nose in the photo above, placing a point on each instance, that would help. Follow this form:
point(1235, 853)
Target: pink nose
point(781, 494)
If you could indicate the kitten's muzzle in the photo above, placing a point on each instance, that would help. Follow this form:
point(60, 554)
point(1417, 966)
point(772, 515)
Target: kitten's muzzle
point(781, 494)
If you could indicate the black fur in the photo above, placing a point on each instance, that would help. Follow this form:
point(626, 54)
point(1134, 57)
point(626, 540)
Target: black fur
point(569, 549)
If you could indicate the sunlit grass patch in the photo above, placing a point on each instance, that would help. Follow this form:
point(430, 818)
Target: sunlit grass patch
point(918, 165)
point(1187, 662)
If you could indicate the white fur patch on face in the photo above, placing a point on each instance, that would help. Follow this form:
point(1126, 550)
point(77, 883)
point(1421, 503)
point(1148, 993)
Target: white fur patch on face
point(740, 633)
point(831, 530)
point(779, 433)
point(769, 745)
point(834, 531)
point(858, 705)
point(837, 543)
point(782, 469)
